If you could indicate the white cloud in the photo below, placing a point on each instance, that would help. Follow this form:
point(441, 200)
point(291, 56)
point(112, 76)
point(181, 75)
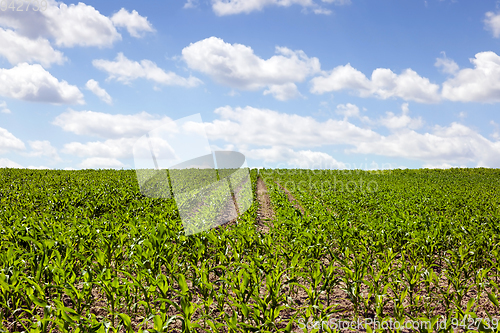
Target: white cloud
point(231, 7)
point(73, 25)
point(6, 163)
point(41, 167)
point(17, 48)
point(80, 25)
point(93, 86)
point(492, 23)
point(287, 138)
point(383, 84)
point(341, 77)
point(446, 64)
point(109, 126)
point(135, 23)
point(3, 107)
point(304, 159)
point(31, 24)
point(112, 148)
point(347, 110)
point(35, 84)
point(283, 92)
point(263, 127)
point(395, 122)
point(236, 66)
point(480, 84)
point(8, 142)
point(43, 148)
point(101, 163)
point(125, 70)
point(408, 86)
point(454, 144)
point(440, 166)
point(405, 107)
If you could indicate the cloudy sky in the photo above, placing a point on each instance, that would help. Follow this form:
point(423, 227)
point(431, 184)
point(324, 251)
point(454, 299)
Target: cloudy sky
point(290, 83)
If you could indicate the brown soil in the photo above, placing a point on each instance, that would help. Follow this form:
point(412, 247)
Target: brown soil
point(298, 298)
point(265, 212)
point(345, 309)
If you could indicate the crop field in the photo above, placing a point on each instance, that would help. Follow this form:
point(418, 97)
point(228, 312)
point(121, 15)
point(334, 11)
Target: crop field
point(86, 251)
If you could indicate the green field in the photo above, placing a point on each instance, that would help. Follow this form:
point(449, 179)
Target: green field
point(85, 251)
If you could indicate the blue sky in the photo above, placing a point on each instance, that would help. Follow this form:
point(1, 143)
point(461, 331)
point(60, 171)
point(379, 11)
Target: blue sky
point(289, 83)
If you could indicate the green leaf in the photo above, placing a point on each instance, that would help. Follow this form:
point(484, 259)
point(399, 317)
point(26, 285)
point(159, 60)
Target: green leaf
point(127, 322)
point(493, 299)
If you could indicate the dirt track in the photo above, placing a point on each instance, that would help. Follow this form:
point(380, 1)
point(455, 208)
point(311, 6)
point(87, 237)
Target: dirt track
point(265, 211)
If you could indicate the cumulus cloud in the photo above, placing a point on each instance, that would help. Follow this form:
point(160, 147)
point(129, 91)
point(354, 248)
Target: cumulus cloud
point(275, 137)
point(124, 70)
point(446, 64)
point(17, 48)
point(478, 84)
point(41, 148)
point(232, 7)
point(440, 166)
point(283, 92)
point(41, 167)
point(135, 23)
point(278, 135)
point(6, 163)
point(253, 126)
point(68, 26)
point(112, 148)
point(8, 142)
point(492, 23)
point(347, 110)
point(457, 144)
point(93, 86)
point(304, 159)
point(394, 122)
point(110, 126)
point(384, 84)
point(33, 83)
point(100, 163)
point(31, 24)
point(80, 25)
point(236, 66)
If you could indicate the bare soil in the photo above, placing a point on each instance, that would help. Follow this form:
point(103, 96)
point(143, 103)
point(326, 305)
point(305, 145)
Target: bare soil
point(265, 212)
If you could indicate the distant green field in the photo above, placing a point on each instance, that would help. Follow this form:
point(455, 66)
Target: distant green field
point(85, 251)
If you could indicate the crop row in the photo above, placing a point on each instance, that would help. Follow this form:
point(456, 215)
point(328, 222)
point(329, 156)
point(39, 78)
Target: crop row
point(85, 251)
point(419, 244)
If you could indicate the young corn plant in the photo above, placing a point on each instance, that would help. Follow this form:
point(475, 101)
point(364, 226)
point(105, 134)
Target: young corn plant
point(186, 308)
point(354, 270)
